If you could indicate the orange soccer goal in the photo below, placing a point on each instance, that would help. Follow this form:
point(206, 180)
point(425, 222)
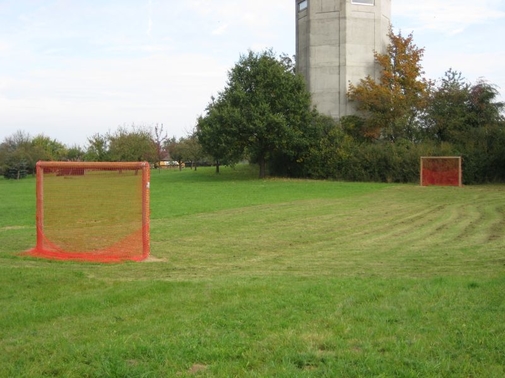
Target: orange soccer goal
point(441, 170)
point(92, 211)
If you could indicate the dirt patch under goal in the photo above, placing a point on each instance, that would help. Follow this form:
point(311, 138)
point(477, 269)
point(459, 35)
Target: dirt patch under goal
point(152, 259)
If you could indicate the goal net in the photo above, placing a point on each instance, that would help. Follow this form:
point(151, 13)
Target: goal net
point(441, 170)
point(92, 211)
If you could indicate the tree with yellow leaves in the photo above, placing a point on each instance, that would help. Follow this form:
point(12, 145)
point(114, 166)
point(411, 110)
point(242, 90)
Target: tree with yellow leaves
point(391, 106)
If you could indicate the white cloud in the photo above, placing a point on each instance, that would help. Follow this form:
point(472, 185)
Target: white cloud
point(100, 94)
point(5, 47)
point(220, 30)
point(457, 34)
point(149, 27)
point(150, 21)
point(258, 16)
point(473, 66)
point(448, 16)
point(71, 68)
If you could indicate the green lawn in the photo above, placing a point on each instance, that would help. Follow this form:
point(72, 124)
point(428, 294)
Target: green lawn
point(267, 278)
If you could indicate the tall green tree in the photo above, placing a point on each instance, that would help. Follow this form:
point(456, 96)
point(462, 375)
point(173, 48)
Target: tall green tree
point(392, 105)
point(461, 113)
point(447, 111)
point(261, 113)
point(218, 134)
point(483, 105)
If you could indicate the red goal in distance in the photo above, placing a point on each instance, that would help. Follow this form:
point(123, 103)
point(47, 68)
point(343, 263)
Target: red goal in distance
point(92, 211)
point(441, 170)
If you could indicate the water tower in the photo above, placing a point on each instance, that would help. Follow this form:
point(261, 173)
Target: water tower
point(335, 45)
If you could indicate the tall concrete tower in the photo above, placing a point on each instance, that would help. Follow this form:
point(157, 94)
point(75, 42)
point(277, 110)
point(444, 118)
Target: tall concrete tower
point(335, 45)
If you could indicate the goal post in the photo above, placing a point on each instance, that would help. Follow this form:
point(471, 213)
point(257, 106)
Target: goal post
point(92, 211)
point(441, 170)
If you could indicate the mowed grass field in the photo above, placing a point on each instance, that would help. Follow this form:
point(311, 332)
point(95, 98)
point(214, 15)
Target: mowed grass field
point(267, 278)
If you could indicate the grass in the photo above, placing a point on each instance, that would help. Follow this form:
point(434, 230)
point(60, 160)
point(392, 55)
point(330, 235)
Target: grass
point(257, 278)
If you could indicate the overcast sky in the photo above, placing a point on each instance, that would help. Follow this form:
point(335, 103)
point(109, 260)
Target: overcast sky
point(71, 68)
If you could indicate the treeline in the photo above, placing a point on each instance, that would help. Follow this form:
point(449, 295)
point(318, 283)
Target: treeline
point(20, 152)
point(339, 156)
point(457, 119)
point(264, 114)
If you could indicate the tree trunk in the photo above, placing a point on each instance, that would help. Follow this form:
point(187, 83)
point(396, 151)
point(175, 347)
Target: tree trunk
point(217, 166)
point(262, 163)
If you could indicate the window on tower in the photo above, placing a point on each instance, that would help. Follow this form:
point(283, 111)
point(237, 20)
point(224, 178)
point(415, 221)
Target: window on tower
point(363, 2)
point(302, 5)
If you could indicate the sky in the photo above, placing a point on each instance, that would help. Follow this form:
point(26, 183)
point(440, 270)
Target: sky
point(71, 69)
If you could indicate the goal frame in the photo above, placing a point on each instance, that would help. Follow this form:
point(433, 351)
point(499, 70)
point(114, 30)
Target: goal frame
point(144, 167)
point(460, 170)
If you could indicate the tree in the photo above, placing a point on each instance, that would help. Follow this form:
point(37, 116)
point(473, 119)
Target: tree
point(176, 150)
point(261, 113)
point(483, 108)
point(193, 150)
point(98, 148)
point(134, 145)
point(159, 139)
point(325, 155)
point(53, 149)
point(447, 111)
point(217, 134)
point(391, 106)
point(18, 154)
point(21, 152)
point(461, 113)
point(75, 153)
point(186, 149)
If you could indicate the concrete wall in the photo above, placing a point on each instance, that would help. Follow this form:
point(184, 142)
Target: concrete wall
point(335, 44)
